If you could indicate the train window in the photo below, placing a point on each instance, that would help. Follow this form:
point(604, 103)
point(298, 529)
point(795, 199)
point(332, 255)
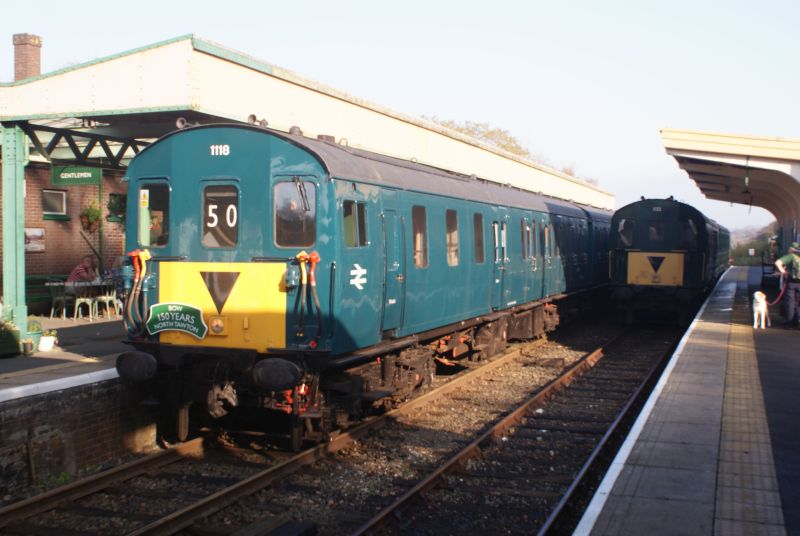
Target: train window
point(295, 213)
point(477, 229)
point(560, 226)
point(355, 224)
point(420, 232)
point(496, 231)
point(625, 230)
point(534, 248)
point(451, 222)
point(655, 231)
point(524, 236)
point(503, 242)
point(153, 215)
point(546, 240)
point(220, 216)
point(688, 234)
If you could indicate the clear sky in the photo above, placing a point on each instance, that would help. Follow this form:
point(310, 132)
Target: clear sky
point(582, 83)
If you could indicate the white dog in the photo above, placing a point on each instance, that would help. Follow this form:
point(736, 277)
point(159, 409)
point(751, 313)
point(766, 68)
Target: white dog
point(760, 310)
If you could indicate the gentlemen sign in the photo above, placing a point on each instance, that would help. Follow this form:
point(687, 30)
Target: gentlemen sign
point(75, 175)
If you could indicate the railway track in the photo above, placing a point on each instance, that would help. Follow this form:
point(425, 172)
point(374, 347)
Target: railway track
point(524, 474)
point(344, 482)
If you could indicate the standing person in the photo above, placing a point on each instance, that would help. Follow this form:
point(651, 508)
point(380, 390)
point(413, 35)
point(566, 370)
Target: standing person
point(84, 271)
point(789, 267)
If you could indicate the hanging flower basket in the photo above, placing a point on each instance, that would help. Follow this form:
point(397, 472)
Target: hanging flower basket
point(90, 218)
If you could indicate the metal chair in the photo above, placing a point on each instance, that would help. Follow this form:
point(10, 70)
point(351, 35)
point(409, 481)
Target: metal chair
point(59, 298)
point(84, 295)
point(107, 296)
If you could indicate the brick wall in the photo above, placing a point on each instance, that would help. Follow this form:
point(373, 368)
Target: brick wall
point(27, 56)
point(63, 433)
point(64, 240)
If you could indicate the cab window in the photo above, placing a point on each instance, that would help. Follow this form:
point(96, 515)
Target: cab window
point(688, 234)
point(153, 215)
point(220, 216)
point(295, 213)
point(626, 229)
point(655, 231)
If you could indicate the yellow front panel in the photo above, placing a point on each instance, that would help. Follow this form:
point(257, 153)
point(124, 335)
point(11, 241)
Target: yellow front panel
point(253, 315)
point(655, 269)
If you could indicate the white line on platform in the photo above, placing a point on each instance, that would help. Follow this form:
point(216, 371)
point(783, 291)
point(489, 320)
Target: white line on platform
point(22, 391)
point(604, 490)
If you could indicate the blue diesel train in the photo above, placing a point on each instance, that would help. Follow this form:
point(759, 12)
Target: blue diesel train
point(275, 271)
point(665, 256)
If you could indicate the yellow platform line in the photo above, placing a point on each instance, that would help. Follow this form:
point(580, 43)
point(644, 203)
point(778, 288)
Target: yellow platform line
point(748, 499)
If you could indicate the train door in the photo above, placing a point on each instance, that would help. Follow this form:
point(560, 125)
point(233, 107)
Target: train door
point(499, 240)
point(580, 253)
point(558, 241)
point(525, 257)
point(552, 263)
point(359, 265)
point(536, 280)
point(395, 265)
point(515, 263)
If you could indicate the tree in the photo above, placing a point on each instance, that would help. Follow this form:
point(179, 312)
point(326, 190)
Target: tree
point(501, 139)
point(484, 132)
point(744, 240)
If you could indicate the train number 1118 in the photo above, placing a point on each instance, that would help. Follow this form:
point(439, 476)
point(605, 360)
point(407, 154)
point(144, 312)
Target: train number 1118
point(220, 150)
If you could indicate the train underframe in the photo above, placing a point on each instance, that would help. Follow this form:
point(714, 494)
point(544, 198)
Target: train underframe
point(317, 394)
point(648, 303)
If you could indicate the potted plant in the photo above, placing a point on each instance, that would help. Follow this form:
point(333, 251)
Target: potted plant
point(90, 217)
point(27, 347)
point(48, 340)
point(9, 338)
point(34, 331)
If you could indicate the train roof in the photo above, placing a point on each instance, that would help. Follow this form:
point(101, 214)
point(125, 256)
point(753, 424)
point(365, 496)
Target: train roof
point(668, 201)
point(349, 163)
point(343, 162)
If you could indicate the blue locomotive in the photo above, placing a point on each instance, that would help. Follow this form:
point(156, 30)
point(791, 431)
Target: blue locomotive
point(664, 256)
point(275, 271)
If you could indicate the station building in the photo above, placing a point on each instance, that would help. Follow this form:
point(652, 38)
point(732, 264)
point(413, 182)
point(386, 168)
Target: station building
point(68, 135)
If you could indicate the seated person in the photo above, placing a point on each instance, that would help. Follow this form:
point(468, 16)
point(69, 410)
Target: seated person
point(85, 271)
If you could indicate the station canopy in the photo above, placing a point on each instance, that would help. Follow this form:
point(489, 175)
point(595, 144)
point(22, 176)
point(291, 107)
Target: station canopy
point(104, 111)
point(756, 171)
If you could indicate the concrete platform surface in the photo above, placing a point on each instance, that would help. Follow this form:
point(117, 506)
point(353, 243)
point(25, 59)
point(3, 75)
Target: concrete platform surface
point(716, 449)
point(86, 353)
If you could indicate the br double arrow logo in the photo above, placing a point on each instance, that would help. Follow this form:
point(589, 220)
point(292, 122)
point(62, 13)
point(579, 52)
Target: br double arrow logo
point(358, 274)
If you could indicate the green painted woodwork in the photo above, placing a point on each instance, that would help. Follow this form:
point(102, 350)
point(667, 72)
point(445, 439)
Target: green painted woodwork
point(95, 113)
point(14, 307)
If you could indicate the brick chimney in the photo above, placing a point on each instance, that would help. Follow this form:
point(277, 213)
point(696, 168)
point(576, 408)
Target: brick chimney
point(27, 56)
